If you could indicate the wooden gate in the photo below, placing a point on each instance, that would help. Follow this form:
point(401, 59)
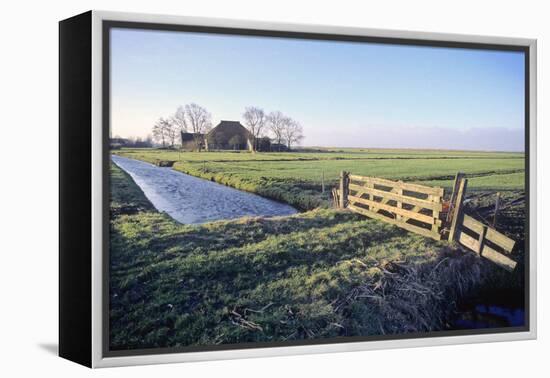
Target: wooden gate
point(487, 242)
point(420, 209)
point(413, 207)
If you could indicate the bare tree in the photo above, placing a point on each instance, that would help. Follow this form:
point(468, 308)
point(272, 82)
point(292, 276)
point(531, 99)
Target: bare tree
point(159, 132)
point(199, 120)
point(254, 120)
point(170, 130)
point(179, 121)
point(164, 132)
point(292, 132)
point(276, 122)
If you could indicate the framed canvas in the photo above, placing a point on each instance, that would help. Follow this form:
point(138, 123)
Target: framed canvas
point(235, 189)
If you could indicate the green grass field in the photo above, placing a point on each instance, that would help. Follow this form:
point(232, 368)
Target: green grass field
point(296, 178)
point(319, 274)
point(322, 273)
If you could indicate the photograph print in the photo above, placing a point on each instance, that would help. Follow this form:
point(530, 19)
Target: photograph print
point(276, 188)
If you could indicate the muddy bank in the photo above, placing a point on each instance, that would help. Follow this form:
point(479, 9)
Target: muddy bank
point(501, 301)
point(192, 200)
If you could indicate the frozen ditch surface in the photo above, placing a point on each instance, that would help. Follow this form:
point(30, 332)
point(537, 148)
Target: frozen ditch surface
point(189, 199)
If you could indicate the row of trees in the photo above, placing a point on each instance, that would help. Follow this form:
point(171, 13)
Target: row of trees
point(195, 119)
point(283, 129)
point(131, 142)
point(191, 118)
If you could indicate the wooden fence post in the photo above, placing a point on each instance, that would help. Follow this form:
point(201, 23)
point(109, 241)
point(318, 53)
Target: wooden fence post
point(481, 240)
point(435, 213)
point(400, 204)
point(457, 209)
point(497, 205)
point(459, 176)
point(344, 189)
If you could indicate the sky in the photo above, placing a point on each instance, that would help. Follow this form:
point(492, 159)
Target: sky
point(344, 94)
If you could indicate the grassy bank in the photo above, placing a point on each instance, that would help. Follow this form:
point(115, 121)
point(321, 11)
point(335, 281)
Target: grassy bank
point(319, 274)
point(297, 178)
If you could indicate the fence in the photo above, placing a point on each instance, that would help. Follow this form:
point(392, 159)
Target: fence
point(413, 207)
point(487, 242)
point(422, 210)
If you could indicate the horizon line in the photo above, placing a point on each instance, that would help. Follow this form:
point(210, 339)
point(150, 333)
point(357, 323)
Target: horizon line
point(382, 148)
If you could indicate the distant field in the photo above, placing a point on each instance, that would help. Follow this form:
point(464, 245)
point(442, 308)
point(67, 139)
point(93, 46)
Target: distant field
point(314, 154)
point(317, 274)
point(297, 177)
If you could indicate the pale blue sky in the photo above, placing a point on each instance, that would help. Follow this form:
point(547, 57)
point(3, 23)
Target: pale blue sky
point(344, 94)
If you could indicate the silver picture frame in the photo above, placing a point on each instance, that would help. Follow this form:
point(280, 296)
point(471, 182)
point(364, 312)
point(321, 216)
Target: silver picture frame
point(99, 358)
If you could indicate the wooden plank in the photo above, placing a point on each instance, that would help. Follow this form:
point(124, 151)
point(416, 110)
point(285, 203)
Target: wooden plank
point(414, 210)
point(501, 240)
point(341, 191)
point(487, 252)
point(406, 226)
point(359, 190)
point(400, 184)
point(468, 242)
point(459, 176)
point(370, 185)
point(472, 224)
point(384, 201)
point(397, 197)
point(481, 239)
point(498, 258)
point(344, 182)
point(399, 203)
point(435, 212)
point(406, 213)
point(457, 212)
point(493, 235)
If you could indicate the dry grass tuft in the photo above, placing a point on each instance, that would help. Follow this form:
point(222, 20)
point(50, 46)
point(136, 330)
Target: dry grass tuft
point(420, 297)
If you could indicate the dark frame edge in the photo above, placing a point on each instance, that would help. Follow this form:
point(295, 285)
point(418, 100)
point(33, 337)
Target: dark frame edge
point(75, 195)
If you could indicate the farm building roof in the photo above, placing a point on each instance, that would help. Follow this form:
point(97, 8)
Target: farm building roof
point(230, 128)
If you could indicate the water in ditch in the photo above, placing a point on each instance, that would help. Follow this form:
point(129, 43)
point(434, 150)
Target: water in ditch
point(191, 200)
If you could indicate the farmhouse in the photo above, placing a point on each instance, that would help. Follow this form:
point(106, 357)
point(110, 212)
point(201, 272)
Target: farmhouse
point(192, 141)
point(227, 135)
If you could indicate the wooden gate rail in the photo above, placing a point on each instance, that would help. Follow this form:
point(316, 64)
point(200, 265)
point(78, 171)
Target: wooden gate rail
point(484, 236)
point(437, 191)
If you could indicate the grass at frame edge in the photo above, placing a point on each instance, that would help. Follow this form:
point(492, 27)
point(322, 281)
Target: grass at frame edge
point(323, 273)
